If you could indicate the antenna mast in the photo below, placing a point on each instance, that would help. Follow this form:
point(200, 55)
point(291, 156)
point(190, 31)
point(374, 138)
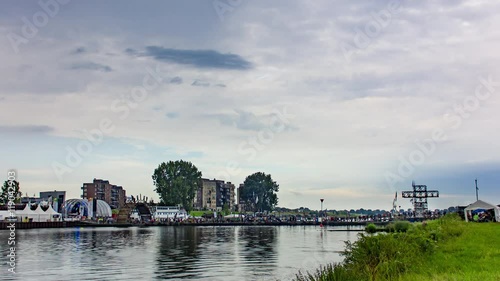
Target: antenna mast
point(477, 195)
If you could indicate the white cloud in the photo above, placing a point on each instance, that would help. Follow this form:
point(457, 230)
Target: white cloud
point(354, 118)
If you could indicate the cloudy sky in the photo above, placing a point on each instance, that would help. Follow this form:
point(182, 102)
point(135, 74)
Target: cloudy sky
point(338, 100)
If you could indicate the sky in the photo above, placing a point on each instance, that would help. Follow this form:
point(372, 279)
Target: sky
point(349, 101)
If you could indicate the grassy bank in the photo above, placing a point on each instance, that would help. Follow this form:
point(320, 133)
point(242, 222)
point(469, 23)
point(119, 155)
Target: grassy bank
point(445, 249)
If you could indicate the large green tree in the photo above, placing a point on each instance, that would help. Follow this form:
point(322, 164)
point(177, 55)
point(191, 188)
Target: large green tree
point(259, 192)
point(4, 194)
point(177, 182)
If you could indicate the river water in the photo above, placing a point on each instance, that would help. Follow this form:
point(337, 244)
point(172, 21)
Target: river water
point(173, 253)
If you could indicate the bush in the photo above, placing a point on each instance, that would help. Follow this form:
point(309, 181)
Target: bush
point(332, 272)
point(401, 226)
point(371, 228)
point(380, 256)
point(390, 227)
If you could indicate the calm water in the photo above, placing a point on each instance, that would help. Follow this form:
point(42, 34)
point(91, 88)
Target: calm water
point(175, 253)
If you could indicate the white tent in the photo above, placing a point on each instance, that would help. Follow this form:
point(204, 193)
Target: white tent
point(232, 216)
point(482, 205)
point(4, 215)
point(26, 212)
point(54, 216)
point(40, 215)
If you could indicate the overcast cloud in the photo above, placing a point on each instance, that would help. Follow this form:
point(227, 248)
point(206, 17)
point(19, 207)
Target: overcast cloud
point(363, 84)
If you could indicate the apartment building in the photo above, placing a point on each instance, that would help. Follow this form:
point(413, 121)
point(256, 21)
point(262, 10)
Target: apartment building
point(100, 189)
point(213, 195)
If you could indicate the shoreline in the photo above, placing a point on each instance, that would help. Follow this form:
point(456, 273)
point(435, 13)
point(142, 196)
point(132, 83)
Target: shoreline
point(70, 224)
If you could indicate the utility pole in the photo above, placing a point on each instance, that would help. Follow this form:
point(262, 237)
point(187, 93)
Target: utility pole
point(319, 215)
point(477, 195)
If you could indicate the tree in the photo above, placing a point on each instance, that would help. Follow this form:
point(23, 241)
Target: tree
point(225, 209)
point(259, 191)
point(14, 193)
point(177, 183)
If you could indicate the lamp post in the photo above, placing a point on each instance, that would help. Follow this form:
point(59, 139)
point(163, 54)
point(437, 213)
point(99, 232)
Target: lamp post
point(319, 215)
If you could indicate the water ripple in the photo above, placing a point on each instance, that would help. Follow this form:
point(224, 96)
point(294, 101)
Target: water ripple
point(173, 253)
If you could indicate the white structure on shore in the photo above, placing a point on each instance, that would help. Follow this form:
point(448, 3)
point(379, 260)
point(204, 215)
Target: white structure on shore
point(168, 212)
point(28, 215)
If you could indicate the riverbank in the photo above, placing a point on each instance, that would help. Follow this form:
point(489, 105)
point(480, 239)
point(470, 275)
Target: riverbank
point(31, 225)
point(445, 249)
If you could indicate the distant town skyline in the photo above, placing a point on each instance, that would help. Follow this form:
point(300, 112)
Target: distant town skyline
point(344, 101)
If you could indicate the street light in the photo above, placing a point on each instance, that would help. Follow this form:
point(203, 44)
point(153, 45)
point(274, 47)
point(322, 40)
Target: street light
point(321, 209)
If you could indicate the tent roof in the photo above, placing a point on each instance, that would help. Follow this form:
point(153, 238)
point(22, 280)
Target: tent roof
point(26, 211)
point(51, 211)
point(479, 204)
point(39, 210)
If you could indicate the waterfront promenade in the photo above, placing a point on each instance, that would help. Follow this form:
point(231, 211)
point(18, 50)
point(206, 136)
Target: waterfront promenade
point(31, 225)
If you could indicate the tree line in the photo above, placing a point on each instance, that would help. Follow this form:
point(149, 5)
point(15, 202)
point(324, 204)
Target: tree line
point(177, 182)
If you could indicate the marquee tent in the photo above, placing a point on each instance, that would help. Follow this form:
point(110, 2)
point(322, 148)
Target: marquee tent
point(26, 212)
point(54, 216)
point(482, 205)
point(40, 215)
point(4, 215)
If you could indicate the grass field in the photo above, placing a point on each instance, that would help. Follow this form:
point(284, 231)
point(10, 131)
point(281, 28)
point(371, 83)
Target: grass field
point(199, 213)
point(474, 255)
point(443, 250)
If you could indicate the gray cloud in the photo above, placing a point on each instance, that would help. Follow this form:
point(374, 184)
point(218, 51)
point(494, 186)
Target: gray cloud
point(242, 120)
point(199, 83)
point(172, 115)
point(247, 121)
point(176, 80)
point(26, 129)
point(197, 58)
point(79, 50)
point(91, 66)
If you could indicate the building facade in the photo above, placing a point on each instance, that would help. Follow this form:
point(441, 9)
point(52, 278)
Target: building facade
point(57, 198)
point(209, 194)
point(100, 189)
point(214, 195)
point(241, 203)
point(227, 196)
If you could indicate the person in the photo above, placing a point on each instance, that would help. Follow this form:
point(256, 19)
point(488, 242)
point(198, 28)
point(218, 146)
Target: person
point(476, 217)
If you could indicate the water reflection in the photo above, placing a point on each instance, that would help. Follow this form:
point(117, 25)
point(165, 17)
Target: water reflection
point(177, 252)
point(174, 253)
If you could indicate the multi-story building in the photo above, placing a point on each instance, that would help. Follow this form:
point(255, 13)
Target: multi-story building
point(209, 194)
point(57, 198)
point(198, 198)
point(99, 189)
point(214, 195)
point(241, 202)
point(227, 196)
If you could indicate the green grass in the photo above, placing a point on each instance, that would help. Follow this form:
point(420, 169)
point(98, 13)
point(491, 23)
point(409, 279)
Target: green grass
point(474, 255)
point(199, 213)
point(445, 249)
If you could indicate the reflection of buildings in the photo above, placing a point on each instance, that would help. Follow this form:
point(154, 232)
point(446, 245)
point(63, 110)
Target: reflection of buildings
point(214, 195)
point(259, 248)
point(112, 194)
point(177, 252)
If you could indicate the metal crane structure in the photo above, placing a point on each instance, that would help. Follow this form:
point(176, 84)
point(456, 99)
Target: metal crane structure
point(394, 204)
point(419, 196)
